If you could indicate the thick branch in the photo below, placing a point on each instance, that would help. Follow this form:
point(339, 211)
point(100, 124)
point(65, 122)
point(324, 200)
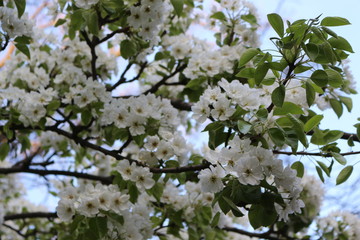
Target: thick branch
point(162, 81)
point(43, 172)
point(267, 235)
point(18, 216)
point(314, 154)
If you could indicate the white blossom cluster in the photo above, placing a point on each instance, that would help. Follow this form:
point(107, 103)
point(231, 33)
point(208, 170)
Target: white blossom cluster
point(250, 165)
point(85, 4)
point(222, 105)
point(95, 201)
point(12, 25)
point(134, 113)
point(149, 17)
point(312, 195)
point(340, 224)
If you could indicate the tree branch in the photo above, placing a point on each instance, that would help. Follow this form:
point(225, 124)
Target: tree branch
point(42, 172)
point(18, 216)
point(164, 79)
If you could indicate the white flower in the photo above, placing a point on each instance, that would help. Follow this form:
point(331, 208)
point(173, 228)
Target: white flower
point(164, 151)
point(89, 207)
point(119, 202)
point(222, 110)
point(143, 178)
point(210, 179)
point(125, 169)
point(86, 4)
point(201, 110)
point(65, 210)
point(249, 170)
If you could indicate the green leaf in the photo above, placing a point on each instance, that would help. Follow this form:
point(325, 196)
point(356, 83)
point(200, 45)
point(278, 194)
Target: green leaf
point(347, 102)
point(324, 168)
point(301, 69)
point(344, 174)
point(215, 220)
point(324, 137)
point(244, 127)
point(310, 94)
point(261, 216)
point(59, 22)
point(98, 227)
point(20, 5)
point(219, 15)
point(334, 77)
point(277, 136)
point(336, 106)
point(246, 73)
point(299, 167)
point(261, 72)
point(86, 116)
point(248, 55)
point(319, 172)
point(334, 21)
point(278, 96)
point(234, 209)
point(23, 48)
point(339, 158)
point(128, 48)
point(341, 43)
point(299, 129)
point(178, 6)
point(277, 23)
point(320, 78)
point(312, 50)
point(213, 126)
point(23, 40)
point(313, 122)
point(329, 31)
point(288, 107)
point(4, 150)
point(92, 22)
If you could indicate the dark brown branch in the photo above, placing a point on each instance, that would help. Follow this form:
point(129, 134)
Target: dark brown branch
point(314, 154)
point(18, 216)
point(110, 35)
point(266, 235)
point(190, 168)
point(92, 44)
point(164, 79)
point(178, 104)
point(41, 172)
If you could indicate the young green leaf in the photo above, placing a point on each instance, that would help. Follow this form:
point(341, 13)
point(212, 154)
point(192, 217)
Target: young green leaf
point(260, 73)
point(334, 21)
point(248, 55)
point(344, 174)
point(337, 107)
point(278, 96)
point(341, 43)
point(312, 122)
point(127, 48)
point(334, 78)
point(320, 78)
point(277, 136)
point(310, 94)
point(324, 168)
point(20, 5)
point(299, 167)
point(319, 172)
point(178, 6)
point(339, 158)
point(244, 127)
point(347, 102)
point(277, 23)
point(288, 107)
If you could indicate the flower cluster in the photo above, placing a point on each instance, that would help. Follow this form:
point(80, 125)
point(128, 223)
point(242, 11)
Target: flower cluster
point(250, 165)
point(12, 25)
point(339, 224)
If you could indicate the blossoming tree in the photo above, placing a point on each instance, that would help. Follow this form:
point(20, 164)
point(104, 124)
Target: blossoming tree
point(127, 165)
